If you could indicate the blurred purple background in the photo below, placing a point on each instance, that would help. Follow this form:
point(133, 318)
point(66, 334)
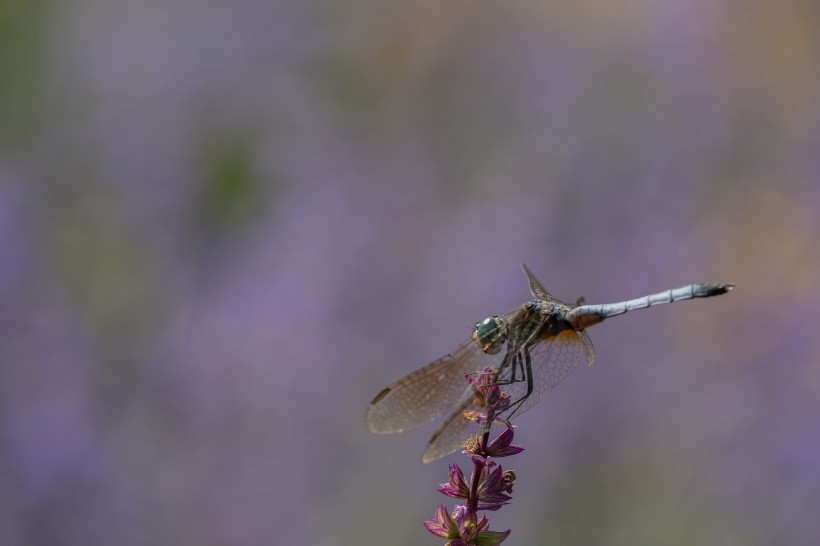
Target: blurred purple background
point(225, 226)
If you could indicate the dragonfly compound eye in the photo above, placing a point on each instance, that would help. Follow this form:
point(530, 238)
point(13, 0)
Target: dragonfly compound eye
point(489, 336)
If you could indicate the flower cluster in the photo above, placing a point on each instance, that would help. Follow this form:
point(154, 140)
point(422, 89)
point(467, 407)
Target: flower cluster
point(489, 487)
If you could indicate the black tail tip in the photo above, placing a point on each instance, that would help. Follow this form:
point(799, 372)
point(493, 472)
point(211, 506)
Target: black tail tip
point(717, 289)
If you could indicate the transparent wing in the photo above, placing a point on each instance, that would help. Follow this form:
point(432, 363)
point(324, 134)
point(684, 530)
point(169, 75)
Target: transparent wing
point(536, 288)
point(419, 397)
point(551, 361)
point(453, 432)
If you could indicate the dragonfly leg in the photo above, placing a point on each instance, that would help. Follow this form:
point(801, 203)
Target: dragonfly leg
point(509, 360)
point(517, 367)
point(526, 370)
point(515, 364)
point(513, 358)
point(524, 373)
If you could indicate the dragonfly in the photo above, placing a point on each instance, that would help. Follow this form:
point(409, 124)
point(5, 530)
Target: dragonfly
point(533, 348)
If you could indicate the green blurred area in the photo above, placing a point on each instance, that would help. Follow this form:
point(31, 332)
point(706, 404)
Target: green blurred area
point(24, 28)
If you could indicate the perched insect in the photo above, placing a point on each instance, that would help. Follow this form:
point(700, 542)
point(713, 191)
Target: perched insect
point(533, 347)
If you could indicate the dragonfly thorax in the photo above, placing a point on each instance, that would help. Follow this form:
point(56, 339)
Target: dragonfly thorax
point(489, 335)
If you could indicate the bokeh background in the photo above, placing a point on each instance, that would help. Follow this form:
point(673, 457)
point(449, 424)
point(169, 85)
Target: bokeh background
point(224, 226)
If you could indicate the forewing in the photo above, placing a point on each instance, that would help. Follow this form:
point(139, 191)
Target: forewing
point(419, 397)
point(536, 288)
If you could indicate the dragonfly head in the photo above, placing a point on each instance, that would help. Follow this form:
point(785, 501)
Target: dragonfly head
point(489, 335)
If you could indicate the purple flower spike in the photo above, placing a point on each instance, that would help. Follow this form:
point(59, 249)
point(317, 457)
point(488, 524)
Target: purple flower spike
point(442, 525)
point(489, 488)
point(468, 526)
point(500, 447)
point(457, 487)
point(488, 395)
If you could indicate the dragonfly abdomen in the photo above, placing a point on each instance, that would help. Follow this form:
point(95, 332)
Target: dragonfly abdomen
point(585, 316)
